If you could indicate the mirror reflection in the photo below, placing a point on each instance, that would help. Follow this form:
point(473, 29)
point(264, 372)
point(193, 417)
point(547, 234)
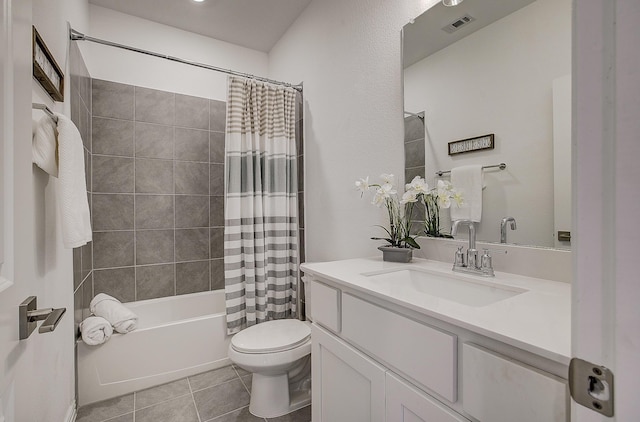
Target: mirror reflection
point(498, 67)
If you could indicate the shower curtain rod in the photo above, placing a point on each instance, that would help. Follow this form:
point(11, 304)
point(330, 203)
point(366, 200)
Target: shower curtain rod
point(79, 36)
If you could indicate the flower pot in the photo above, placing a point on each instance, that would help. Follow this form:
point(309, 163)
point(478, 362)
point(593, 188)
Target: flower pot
point(395, 254)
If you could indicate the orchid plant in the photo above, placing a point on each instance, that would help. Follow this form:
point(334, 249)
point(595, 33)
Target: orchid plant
point(401, 211)
point(441, 196)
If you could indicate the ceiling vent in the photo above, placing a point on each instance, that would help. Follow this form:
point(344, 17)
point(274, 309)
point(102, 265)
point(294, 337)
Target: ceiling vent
point(458, 23)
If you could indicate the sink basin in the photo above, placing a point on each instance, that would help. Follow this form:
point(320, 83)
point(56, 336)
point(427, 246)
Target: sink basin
point(418, 281)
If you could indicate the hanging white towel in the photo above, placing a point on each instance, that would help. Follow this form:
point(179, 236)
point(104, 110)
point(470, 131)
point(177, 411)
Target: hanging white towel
point(44, 147)
point(72, 196)
point(468, 181)
point(95, 330)
point(110, 308)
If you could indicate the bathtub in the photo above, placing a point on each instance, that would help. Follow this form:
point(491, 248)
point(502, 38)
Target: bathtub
point(176, 337)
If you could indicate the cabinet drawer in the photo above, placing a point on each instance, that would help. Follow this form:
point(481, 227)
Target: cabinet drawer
point(498, 389)
point(421, 353)
point(325, 305)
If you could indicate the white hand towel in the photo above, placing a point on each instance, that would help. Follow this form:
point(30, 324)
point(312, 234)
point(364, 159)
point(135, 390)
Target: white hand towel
point(110, 308)
point(76, 221)
point(44, 145)
point(468, 181)
point(95, 330)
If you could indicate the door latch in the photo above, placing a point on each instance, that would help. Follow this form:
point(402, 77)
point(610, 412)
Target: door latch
point(591, 386)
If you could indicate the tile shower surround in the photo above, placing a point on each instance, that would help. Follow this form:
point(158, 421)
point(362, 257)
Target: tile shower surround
point(80, 102)
point(157, 191)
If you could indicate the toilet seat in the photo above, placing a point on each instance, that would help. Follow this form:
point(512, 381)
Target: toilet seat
point(271, 336)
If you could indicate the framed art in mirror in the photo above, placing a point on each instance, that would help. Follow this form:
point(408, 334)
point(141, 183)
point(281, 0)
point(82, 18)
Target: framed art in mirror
point(472, 144)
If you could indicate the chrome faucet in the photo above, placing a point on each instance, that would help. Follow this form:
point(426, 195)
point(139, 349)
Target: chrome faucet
point(471, 264)
point(472, 252)
point(503, 228)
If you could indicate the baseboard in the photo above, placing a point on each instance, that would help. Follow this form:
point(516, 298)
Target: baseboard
point(71, 413)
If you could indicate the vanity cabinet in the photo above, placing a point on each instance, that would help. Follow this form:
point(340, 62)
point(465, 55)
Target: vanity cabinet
point(376, 361)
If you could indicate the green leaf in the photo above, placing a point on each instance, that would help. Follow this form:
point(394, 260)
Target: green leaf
point(382, 238)
point(385, 229)
point(411, 242)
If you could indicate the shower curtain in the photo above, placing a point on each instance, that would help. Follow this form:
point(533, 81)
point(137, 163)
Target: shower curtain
point(261, 225)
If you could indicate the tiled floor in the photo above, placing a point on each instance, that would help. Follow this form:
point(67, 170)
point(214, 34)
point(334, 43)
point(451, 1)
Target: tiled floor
point(221, 395)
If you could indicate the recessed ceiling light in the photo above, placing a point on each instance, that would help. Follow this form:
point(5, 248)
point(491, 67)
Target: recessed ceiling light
point(198, 1)
point(448, 3)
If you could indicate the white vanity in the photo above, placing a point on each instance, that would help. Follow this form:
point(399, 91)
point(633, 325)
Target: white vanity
point(416, 342)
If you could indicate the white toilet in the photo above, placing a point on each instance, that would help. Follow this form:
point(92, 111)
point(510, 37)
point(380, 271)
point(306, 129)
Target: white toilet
point(278, 353)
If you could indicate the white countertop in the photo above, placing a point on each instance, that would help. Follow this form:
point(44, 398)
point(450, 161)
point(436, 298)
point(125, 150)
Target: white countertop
point(538, 321)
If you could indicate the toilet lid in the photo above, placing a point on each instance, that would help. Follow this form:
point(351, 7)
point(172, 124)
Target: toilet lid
point(271, 336)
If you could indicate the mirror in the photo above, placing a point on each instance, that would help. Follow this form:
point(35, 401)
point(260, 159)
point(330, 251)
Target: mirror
point(498, 67)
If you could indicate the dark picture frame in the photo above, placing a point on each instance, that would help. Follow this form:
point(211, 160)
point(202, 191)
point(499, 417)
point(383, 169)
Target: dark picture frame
point(46, 69)
point(477, 143)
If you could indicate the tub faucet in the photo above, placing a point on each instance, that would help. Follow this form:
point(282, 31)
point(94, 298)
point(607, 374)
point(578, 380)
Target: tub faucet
point(471, 264)
point(503, 228)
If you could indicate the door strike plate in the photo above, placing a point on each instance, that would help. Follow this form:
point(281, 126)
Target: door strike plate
point(591, 386)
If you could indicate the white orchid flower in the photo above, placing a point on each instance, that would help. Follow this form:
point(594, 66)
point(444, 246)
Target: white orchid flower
point(388, 189)
point(419, 185)
point(444, 186)
point(409, 196)
point(362, 185)
point(387, 178)
point(444, 200)
point(379, 199)
point(383, 193)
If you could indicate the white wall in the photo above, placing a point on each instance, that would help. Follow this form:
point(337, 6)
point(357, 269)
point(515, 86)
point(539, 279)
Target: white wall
point(499, 80)
point(347, 53)
point(46, 384)
point(132, 68)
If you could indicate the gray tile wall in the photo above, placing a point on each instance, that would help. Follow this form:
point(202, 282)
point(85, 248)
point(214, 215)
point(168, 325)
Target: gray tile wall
point(414, 138)
point(80, 101)
point(158, 174)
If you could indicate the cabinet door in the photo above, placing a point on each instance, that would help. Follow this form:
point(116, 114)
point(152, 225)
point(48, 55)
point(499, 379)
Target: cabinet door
point(405, 403)
point(346, 385)
point(499, 389)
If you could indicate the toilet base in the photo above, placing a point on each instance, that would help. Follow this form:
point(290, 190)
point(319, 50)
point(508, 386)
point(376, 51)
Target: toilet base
point(273, 396)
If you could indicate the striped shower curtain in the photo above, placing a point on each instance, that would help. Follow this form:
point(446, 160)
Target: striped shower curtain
point(261, 225)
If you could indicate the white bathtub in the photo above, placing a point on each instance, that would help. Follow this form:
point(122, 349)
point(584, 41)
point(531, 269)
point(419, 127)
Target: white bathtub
point(177, 337)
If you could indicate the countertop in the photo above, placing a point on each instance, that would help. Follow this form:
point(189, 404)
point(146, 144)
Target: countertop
point(538, 320)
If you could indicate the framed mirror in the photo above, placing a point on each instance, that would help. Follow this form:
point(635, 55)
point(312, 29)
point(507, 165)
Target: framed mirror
point(498, 67)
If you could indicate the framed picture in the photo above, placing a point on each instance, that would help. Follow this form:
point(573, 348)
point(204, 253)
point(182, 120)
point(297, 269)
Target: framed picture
point(46, 70)
point(472, 144)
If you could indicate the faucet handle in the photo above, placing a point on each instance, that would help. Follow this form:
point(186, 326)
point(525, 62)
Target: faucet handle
point(459, 258)
point(486, 265)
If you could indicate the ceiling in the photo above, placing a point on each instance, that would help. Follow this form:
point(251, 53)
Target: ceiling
point(425, 35)
point(255, 24)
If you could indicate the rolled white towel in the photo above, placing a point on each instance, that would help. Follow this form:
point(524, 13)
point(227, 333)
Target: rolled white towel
point(110, 308)
point(95, 330)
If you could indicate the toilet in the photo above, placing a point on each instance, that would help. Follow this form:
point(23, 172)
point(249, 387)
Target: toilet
point(278, 353)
